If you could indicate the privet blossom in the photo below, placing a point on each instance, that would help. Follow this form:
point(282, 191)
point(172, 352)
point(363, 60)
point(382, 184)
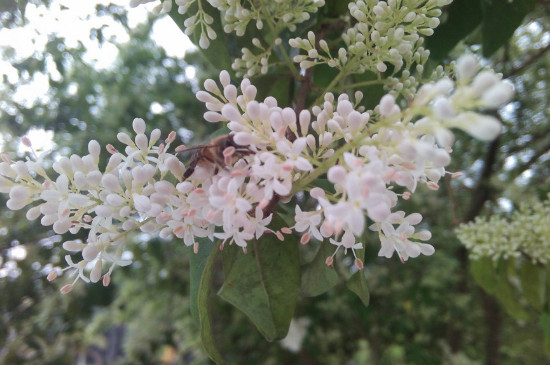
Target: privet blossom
point(280, 14)
point(372, 159)
point(382, 34)
point(484, 237)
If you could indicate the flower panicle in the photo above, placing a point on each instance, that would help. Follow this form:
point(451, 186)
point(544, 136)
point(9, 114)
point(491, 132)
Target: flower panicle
point(371, 159)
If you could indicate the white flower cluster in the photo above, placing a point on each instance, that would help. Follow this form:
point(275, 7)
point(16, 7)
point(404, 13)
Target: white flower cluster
point(385, 33)
point(280, 14)
point(251, 63)
point(367, 157)
point(108, 204)
point(290, 152)
point(524, 234)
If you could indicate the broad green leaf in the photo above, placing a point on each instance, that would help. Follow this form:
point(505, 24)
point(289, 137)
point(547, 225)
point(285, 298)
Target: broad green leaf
point(276, 84)
point(509, 299)
point(325, 185)
point(545, 324)
point(533, 283)
point(316, 277)
point(463, 17)
point(323, 75)
point(335, 8)
point(484, 275)
point(500, 20)
point(494, 280)
point(263, 283)
point(198, 262)
point(358, 283)
point(22, 5)
point(206, 297)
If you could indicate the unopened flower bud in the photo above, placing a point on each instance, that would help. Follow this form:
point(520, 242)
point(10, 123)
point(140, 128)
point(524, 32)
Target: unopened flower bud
point(66, 289)
point(106, 279)
point(111, 149)
point(432, 185)
point(52, 275)
point(124, 138)
point(26, 141)
point(171, 137)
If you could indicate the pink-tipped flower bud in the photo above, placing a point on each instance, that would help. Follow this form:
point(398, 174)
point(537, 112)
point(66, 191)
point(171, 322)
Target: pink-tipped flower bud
point(286, 230)
point(171, 137)
point(52, 275)
point(106, 279)
point(26, 141)
point(111, 149)
point(66, 289)
point(432, 185)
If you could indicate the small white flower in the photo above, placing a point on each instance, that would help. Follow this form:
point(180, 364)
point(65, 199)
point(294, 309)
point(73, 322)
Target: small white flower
point(308, 222)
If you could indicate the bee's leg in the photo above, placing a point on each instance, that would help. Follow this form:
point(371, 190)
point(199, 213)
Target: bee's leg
point(194, 162)
point(191, 168)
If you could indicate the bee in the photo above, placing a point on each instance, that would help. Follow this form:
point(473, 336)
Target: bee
point(219, 152)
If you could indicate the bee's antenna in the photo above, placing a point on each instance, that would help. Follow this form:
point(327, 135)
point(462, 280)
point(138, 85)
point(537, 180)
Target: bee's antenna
point(183, 148)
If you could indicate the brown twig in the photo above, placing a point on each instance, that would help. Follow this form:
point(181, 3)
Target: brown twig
point(480, 195)
point(534, 58)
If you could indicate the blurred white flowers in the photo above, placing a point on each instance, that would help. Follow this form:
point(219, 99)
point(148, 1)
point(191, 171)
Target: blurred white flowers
point(524, 234)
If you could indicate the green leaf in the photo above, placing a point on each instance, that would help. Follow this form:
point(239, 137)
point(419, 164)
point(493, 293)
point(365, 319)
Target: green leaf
point(463, 17)
point(533, 284)
point(545, 324)
point(206, 297)
point(276, 84)
point(484, 275)
point(263, 283)
point(500, 20)
point(198, 262)
point(316, 277)
point(22, 5)
point(324, 184)
point(371, 87)
point(494, 280)
point(358, 284)
point(507, 294)
point(323, 75)
point(335, 8)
